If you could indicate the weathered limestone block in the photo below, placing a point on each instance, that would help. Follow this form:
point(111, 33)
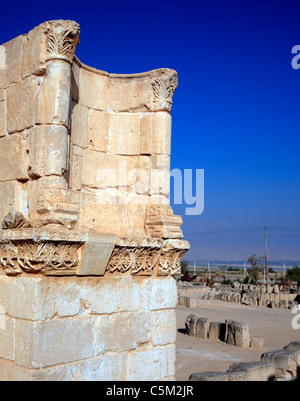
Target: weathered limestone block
point(124, 332)
point(286, 362)
point(161, 133)
point(14, 160)
point(2, 114)
point(230, 331)
point(38, 345)
point(98, 130)
point(20, 105)
point(159, 362)
point(242, 337)
point(256, 342)
point(93, 89)
point(13, 59)
point(164, 327)
point(256, 371)
point(293, 346)
point(201, 328)
point(79, 126)
point(190, 324)
point(124, 134)
point(7, 329)
point(109, 367)
point(218, 376)
point(214, 331)
point(13, 196)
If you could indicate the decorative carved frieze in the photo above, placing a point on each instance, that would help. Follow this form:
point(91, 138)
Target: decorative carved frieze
point(170, 257)
point(155, 257)
point(138, 258)
point(162, 223)
point(163, 91)
point(53, 251)
point(62, 39)
point(34, 257)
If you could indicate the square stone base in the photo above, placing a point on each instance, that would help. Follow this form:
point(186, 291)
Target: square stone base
point(85, 329)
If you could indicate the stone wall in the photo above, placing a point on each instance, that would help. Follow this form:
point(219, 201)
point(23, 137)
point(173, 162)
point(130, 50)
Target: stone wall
point(89, 244)
point(87, 328)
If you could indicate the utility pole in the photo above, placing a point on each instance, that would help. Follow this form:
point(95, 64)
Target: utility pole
point(266, 252)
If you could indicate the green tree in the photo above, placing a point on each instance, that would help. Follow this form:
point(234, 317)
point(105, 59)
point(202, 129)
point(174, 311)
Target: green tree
point(294, 274)
point(256, 267)
point(184, 266)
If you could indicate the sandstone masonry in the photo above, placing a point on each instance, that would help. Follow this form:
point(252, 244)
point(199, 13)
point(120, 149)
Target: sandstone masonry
point(88, 240)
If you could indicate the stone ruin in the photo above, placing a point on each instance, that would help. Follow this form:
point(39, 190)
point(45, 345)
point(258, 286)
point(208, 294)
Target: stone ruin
point(230, 332)
point(89, 244)
point(281, 365)
point(244, 294)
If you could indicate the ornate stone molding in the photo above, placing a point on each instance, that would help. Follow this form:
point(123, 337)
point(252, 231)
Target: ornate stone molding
point(171, 255)
point(62, 39)
point(151, 257)
point(40, 251)
point(162, 223)
point(53, 251)
point(163, 91)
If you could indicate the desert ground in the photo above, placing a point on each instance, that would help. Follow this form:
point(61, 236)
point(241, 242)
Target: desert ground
point(199, 355)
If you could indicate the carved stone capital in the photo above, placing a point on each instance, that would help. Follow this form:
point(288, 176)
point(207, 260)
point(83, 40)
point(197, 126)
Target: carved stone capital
point(163, 89)
point(62, 39)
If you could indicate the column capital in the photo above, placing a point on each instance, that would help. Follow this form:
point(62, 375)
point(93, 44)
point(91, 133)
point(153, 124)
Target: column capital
point(62, 39)
point(163, 90)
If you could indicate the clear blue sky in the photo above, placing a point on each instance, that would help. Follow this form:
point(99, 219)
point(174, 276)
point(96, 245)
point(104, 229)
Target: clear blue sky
point(236, 111)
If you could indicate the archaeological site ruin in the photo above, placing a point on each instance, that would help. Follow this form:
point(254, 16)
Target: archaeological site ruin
point(89, 244)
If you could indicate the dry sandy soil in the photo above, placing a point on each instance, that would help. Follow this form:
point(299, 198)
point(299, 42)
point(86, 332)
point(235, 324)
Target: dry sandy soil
point(198, 355)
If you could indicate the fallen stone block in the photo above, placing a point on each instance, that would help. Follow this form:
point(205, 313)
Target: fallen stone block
point(214, 331)
point(256, 342)
point(230, 331)
point(241, 335)
point(201, 328)
point(190, 324)
point(256, 371)
point(219, 376)
point(182, 300)
point(286, 362)
point(192, 302)
point(293, 346)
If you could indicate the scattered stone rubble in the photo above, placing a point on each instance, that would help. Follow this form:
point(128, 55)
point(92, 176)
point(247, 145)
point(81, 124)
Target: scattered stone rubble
point(280, 365)
point(245, 294)
point(231, 332)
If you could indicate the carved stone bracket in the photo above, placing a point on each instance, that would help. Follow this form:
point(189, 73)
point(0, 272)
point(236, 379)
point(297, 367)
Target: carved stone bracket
point(58, 206)
point(162, 223)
